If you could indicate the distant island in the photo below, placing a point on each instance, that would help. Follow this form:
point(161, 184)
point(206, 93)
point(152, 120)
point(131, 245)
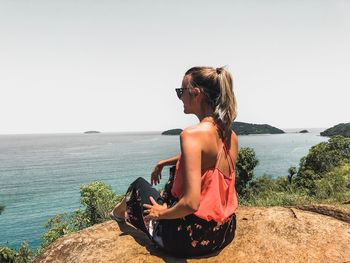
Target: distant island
point(243, 128)
point(240, 128)
point(172, 132)
point(304, 131)
point(88, 132)
point(339, 129)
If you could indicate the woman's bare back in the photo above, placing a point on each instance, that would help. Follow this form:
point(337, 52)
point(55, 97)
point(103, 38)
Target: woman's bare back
point(208, 135)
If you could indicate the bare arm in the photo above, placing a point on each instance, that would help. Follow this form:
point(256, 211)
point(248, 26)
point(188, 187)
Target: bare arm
point(170, 161)
point(156, 175)
point(191, 170)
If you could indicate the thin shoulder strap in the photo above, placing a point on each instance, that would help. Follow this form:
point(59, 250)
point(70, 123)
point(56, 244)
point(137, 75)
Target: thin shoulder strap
point(231, 164)
point(219, 156)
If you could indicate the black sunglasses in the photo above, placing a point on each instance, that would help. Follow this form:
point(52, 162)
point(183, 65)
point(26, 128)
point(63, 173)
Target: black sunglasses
point(180, 91)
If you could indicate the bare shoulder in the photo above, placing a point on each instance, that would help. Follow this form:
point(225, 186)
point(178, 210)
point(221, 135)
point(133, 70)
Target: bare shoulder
point(190, 134)
point(200, 138)
point(234, 138)
point(197, 132)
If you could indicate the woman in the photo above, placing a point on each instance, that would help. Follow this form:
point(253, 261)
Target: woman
point(196, 214)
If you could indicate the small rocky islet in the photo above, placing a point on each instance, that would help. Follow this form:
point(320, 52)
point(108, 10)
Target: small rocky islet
point(91, 132)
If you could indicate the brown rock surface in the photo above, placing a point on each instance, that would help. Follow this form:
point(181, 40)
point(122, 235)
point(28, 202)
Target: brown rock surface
point(274, 234)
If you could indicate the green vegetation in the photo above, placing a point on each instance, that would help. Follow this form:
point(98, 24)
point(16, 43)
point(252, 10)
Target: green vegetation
point(242, 128)
point(99, 200)
point(23, 255)
point(342, 129)
point(323, 176)
point(1, 210)
point(246, 162)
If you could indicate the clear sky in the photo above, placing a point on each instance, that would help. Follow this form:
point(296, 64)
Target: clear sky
point(77, 65)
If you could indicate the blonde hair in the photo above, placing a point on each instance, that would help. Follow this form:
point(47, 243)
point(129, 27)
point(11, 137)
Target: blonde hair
point(218, 87)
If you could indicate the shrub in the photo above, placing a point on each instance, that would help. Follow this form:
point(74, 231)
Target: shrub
point(99, 200)
point(246, 162)
point(321, 159)
point(326, 155)
point(7, 255)
point(291, 172)
point(334, 184)
point(23, 255)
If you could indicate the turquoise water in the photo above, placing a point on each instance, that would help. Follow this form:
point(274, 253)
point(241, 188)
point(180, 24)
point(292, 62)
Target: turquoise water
point(40, 175)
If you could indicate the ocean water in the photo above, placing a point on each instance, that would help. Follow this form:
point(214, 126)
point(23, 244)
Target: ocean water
point(40, 175)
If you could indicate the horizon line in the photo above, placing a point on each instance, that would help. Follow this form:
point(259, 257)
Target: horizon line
point(146, 131)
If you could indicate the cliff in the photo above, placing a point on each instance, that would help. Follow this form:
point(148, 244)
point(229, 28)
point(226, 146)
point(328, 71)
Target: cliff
point(274, 234)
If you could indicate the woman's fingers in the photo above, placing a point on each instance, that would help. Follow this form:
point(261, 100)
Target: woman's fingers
point(152, 200)
point(147, 206)
point(156, 175)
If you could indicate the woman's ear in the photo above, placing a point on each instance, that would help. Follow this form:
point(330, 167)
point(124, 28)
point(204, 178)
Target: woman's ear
point(196, 91)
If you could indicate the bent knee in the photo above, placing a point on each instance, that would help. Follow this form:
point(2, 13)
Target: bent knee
point(140, 181)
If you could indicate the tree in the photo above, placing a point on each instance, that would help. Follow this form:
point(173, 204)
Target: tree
point(326, 155)
point(292, 171)
point(246, 162)
point(321, 159)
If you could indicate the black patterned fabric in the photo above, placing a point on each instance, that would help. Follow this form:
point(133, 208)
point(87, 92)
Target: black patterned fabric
point(183, 237)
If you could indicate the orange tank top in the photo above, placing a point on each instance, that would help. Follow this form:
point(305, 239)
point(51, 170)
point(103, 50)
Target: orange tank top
point(218, 194)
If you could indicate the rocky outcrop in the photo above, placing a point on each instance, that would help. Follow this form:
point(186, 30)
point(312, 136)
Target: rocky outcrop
point(275, 234)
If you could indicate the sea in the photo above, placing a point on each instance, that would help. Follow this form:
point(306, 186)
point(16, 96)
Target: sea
point(41, 174)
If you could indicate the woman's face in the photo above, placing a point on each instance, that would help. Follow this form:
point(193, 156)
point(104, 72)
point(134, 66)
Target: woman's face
point(186, 98)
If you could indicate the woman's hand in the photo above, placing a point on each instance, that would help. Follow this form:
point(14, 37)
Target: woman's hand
point(153, 211)
point(157, 174)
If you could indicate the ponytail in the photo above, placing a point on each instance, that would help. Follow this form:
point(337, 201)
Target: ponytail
point(218, 88)
point(225, 109)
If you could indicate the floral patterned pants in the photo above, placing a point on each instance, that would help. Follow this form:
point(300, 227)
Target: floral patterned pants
point(183, 237)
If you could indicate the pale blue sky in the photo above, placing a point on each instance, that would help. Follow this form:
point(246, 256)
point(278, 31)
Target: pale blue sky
point(72, 66)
